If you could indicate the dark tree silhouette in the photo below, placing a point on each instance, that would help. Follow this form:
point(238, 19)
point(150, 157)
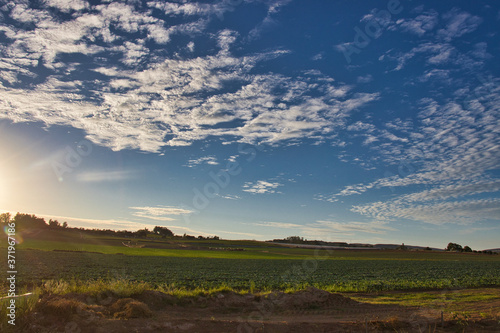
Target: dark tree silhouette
point(295, 239)
point(54, 223)
point(141, 233)
point(27, 221)
point(454, 247)
point(163, 231)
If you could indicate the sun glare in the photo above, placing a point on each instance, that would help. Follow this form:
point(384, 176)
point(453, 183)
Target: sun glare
point(4, 188)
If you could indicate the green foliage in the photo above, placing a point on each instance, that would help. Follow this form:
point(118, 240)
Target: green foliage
point(295, 239)
point(462, 318)
point(5, 218)
point(54, 224)
point(454, 247)
point(142, 233)
point(120, 287)
point(27, 221)
point(163, 231)
point(189, 273)
point(24, 305)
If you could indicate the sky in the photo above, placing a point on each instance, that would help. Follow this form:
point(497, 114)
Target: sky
point(255, 119)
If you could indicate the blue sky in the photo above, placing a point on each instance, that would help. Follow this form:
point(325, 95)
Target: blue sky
point(250, 119)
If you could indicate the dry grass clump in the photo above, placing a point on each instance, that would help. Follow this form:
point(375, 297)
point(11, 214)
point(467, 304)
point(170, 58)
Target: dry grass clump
point(130, 308)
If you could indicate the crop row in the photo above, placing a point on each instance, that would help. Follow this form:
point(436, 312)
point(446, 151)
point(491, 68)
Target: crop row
point(263, 274)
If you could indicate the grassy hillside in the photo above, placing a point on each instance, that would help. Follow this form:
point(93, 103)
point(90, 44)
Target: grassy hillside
point(69, 255)
point(152, 245)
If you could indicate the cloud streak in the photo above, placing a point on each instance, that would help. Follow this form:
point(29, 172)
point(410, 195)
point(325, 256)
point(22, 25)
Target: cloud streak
point(457, 212)
point(104, 176)
point(159, 213)
point(261, 187)
point(327, 227)
point(210, 160)
point(114, 224)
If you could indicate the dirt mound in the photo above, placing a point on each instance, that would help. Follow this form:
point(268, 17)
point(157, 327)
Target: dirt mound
point(156, 300)
point(310, 310)
point(227, 302)
point(141, 305)
point(311, 298)
point(61, 307)
point(130, 308)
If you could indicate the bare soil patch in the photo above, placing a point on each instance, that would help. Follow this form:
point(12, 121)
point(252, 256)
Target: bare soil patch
point(310, 310)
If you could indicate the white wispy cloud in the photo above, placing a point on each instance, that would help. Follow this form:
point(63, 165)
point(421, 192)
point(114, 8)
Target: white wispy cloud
point(229, 196)
point(435, 53)
point(458, 23)
point(261, 187)
point(114, 224)
point(453, 191)
point(160, 213)
point(373, 227)
point(472, 230)
point(326, 228)
point(269, 21)
point(67, 5)
point(365, 79)
point(105, 176)
point(438, 47)
point(280, 225)
point(238, 233)
point(421, 24)
point(232, 158)
point(457, 212)
point(210, 160)
point(148, 99)
point(439, 161)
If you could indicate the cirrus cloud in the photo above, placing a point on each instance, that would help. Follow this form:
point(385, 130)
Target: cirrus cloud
point(159, 213)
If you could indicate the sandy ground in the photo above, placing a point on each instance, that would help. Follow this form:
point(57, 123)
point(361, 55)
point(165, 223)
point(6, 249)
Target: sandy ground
point(311, 310)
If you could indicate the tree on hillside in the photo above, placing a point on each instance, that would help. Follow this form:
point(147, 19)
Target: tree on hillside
point(454, 247)
point(5, 218)
point(141, 233)
point(467, 249)
point(27, 221)
point(294, 239)
point(54, 223)
point(163, 231)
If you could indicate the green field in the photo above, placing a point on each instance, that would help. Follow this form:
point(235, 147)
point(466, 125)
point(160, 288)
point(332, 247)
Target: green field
point(263, 274)
point(189, 265)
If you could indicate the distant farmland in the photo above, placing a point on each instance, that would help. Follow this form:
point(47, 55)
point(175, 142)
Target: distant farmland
point(263, 266)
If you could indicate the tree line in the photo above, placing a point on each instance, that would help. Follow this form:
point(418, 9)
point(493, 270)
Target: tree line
point(32, 222)
point(454, 247)
point(302, 240)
